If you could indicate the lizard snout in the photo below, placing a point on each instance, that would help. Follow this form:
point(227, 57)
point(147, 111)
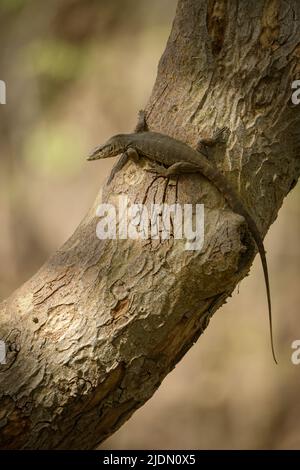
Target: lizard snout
point(96, 153)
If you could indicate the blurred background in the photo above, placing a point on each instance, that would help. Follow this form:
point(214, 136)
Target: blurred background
point(77, 71)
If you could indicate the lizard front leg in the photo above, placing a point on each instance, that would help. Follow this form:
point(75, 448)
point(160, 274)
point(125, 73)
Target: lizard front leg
point(130, 153)
point(141, 125)
point(118, 166)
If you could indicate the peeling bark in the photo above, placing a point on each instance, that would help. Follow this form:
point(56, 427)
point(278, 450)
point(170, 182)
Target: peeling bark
point(92, 335)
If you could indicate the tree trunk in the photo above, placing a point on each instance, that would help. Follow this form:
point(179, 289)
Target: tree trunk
point(91, 336)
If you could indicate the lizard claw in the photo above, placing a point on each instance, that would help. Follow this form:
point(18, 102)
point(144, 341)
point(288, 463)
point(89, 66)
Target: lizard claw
point(221, 135)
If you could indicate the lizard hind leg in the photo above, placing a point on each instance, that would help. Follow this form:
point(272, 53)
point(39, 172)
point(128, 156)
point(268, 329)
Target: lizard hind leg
point(182, 167)
point(141, 125)
point(219, 137)
point(132, 154)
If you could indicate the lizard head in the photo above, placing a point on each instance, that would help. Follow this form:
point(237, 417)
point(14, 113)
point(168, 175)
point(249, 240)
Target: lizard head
point(115, 145)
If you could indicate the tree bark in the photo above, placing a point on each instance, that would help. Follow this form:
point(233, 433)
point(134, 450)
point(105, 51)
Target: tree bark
point(91, 336)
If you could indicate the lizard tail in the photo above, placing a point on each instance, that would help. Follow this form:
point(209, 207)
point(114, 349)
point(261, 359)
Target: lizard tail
point(238, 207)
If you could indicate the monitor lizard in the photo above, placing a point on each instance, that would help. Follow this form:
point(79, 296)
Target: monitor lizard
point(170, 157)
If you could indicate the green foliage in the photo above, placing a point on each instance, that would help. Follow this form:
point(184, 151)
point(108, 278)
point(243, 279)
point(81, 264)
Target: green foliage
point(53, 58)
point(56, 150)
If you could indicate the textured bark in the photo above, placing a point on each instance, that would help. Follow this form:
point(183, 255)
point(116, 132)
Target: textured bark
point(94, 332)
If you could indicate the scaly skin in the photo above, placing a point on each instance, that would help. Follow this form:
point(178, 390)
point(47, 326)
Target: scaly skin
point(180, 158)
